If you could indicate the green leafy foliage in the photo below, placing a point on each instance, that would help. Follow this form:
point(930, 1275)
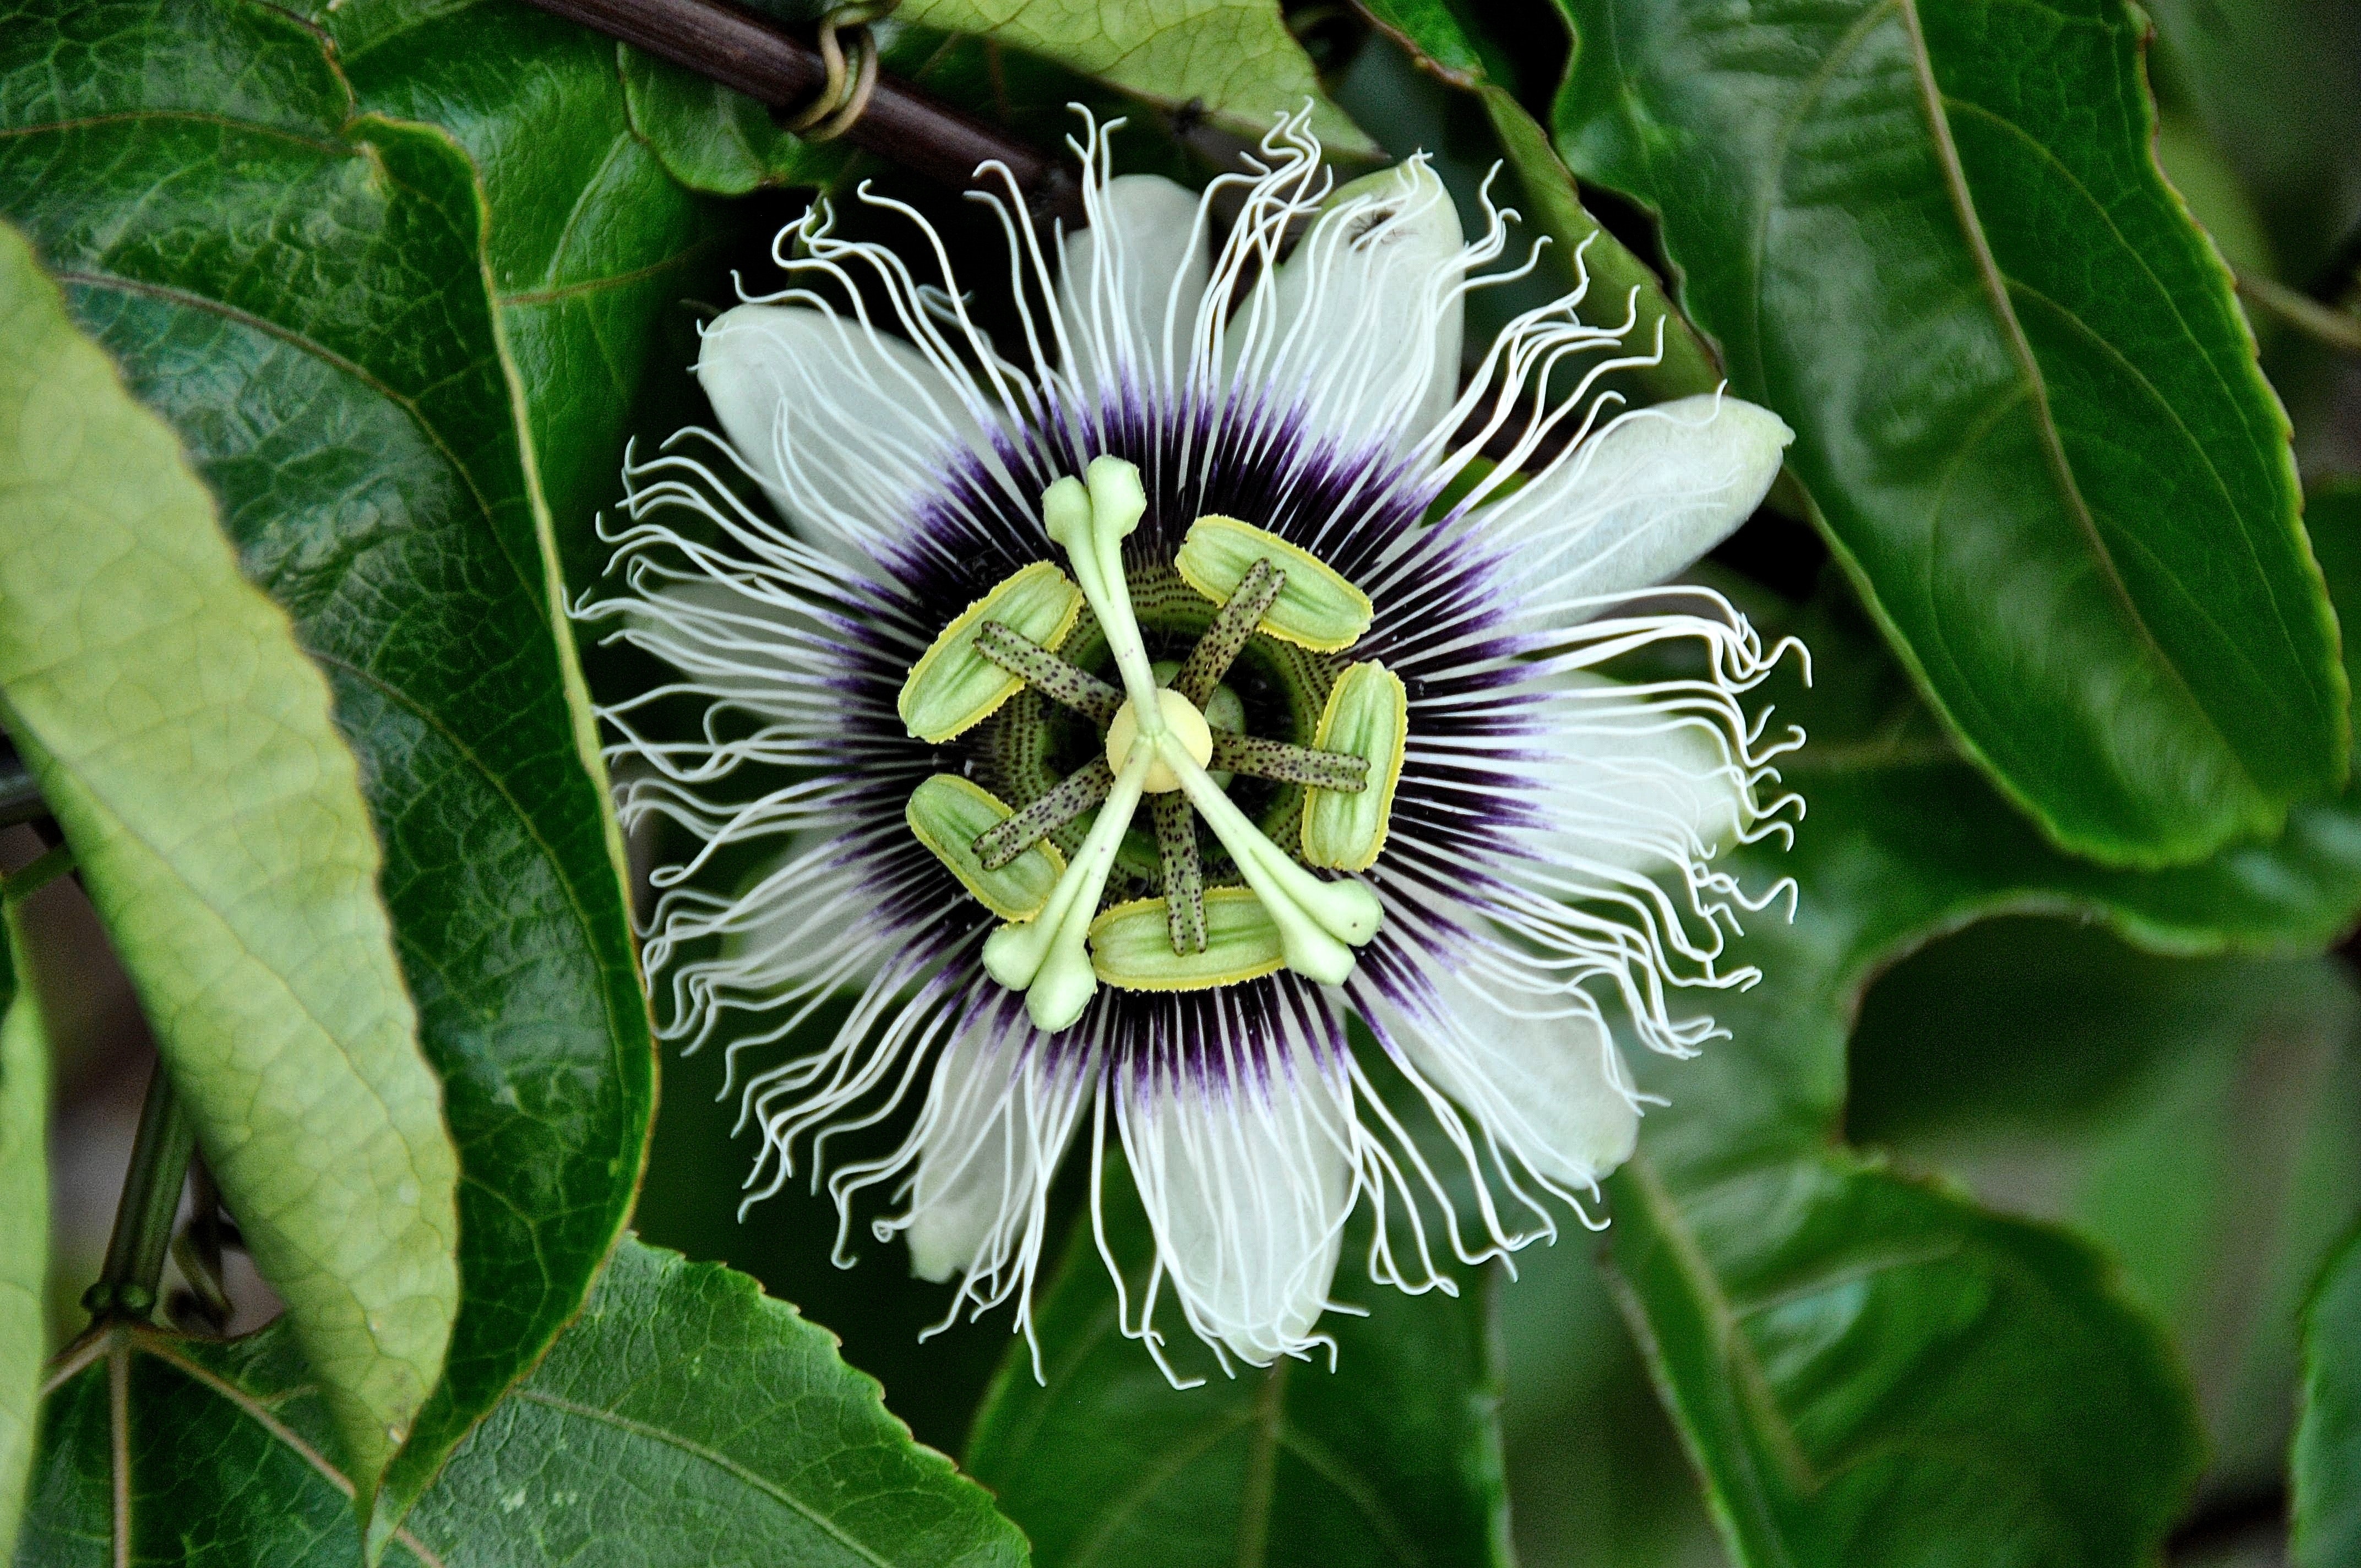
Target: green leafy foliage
point(2328, 1443)
point(397, 274)
point(385, 383)
point(2061, 1075)
point(1394, 1457)
point(1234, 61)
point(24, 1197)
point(1933, 239)
point(216, 819)
point(1904, 842)
point(685, 1419)
point(1868, 1371)
point(1739, 1228)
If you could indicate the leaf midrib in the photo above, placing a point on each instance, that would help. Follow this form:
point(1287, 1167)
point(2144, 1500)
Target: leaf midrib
point(1989, 276)
point(742, 1474)
point(1996, 284)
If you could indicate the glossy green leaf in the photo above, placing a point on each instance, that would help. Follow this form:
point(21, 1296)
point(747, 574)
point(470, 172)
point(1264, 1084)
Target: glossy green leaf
point(24, 1199)
point(685, 1420)
point(401, 356)
point(2327, 1459)
point(216, 819)
point(1392, 1458)
point(1234, 61)
point(1935, 240)
point(1870, 1371)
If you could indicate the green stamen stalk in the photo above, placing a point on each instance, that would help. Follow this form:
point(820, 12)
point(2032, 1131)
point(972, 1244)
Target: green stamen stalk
point(1048, 673)
point(1185, 872)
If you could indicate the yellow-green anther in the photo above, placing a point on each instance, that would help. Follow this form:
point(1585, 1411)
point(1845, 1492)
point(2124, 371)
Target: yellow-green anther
point(1090, 521)
point(1129, 945)
point(1048, 957)
point(1319, 922)
point(1316, 606)
point(953, 687)
point(950, 816)
point(1368, 716)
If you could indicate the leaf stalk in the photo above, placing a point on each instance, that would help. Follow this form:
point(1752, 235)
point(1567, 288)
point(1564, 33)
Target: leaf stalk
point(144, 1218)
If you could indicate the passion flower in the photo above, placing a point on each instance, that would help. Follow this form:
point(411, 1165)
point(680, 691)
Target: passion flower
point(1117, 710)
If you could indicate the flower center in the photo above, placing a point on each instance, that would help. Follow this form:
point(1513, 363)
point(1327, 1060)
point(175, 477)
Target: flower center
point(1182, 722)
point(1160, 749)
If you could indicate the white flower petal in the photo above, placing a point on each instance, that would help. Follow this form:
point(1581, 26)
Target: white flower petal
point(1640, 500)
point(1247, 1190)
point(843, 425)
point(1639, 786)
point(1141, 263)
point(1364, 320)
point(1552, 1089)
point(993, 1130)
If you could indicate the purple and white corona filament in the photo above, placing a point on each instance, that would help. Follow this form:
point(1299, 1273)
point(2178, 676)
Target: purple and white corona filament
point(1115, 710)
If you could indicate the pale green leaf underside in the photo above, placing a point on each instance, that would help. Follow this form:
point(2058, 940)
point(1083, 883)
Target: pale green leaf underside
point(185, 746)
point(25, 1199)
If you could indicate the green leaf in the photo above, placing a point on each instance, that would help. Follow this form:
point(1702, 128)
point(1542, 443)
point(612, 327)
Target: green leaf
point(685, 1419)
point(24, 1199)
point(1935, 240)
point(1870, 1371)
point(401, 356)
point(2060, 1075)
point(1234, 61)
point(2327, 1459)
point(1741, 1222)
point(185, 746)
point(721, 1405)
point(1394, 1457)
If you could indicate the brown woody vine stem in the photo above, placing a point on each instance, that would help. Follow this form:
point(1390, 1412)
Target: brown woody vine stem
point(749, 54)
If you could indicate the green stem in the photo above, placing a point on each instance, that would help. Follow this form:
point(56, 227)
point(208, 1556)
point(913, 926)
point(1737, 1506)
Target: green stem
point(160, 1152)
point(20, 797)
point(2338, 329)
